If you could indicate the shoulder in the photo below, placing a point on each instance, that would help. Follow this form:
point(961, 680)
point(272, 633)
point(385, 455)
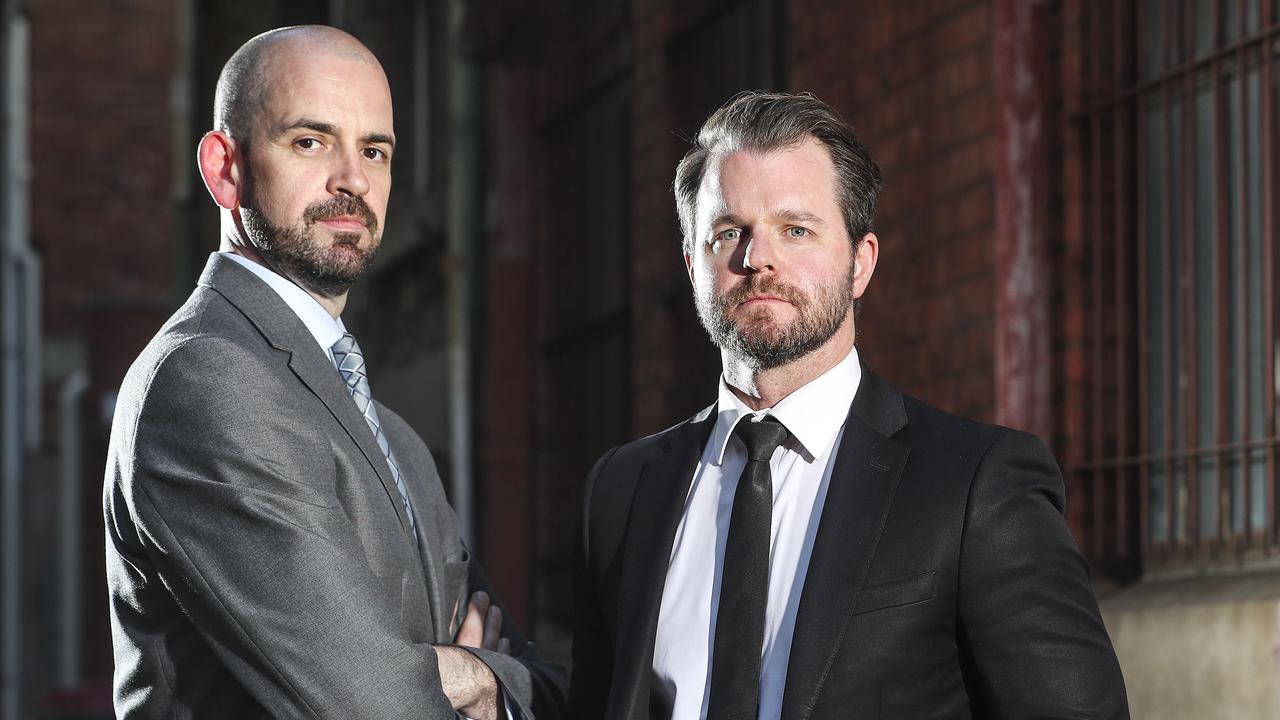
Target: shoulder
point(207, 364)
point(197, 335)
point(200, 367)
point(981, 456)
point(930, 425)
point(933, 431)
point(998, 461)
point(631, 456)
point(612, 480)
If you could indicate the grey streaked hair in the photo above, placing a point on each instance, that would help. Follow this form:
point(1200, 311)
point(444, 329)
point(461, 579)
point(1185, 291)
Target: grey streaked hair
point(767, 121)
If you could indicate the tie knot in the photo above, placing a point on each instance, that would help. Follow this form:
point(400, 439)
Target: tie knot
point(348, 358)
point(761, 438)
point(346, 344)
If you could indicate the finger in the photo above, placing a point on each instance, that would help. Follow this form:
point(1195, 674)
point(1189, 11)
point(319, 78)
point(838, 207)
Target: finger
point(504, 646)
point(471, 633)
point(492, 627)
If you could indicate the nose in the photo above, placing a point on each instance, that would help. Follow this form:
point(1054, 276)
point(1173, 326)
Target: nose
point(348, 176)
point(759, 253)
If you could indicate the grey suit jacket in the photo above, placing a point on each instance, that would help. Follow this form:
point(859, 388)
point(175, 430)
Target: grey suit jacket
point(258, 557)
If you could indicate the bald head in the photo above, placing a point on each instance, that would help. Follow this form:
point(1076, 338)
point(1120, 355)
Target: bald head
point(245, 79)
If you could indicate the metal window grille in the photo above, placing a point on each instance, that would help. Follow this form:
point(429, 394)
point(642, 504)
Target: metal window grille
point(1177, 130)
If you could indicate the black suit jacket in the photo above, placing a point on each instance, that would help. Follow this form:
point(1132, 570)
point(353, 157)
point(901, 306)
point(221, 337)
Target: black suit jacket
point(943, 583)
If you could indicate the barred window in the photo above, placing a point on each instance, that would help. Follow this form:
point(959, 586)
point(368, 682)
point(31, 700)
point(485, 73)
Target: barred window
point(1177, 130)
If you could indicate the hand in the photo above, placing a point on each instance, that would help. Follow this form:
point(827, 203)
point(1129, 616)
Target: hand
point(468, 683)
point(482, 625)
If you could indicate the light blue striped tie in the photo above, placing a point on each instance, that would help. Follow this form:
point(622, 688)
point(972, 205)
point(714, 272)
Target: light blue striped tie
point(350, 361)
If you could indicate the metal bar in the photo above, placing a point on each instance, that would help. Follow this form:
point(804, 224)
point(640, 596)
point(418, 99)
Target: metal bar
point(1242, 290)
point(1167, 302)
point(1144, 321)
point(1120, 245)
point(17, 285)
point(1271, 442)
point(1222, 252)
point(1268, 272)
point(1096, 311)
point(1186, 298)
point(1174, 73)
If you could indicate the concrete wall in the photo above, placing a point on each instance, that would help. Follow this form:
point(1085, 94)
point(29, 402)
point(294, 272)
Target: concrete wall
point(1196, 648)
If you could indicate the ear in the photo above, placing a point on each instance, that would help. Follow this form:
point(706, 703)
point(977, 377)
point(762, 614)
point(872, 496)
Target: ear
point(688, 266)
point(865, 263)
point(220, 169)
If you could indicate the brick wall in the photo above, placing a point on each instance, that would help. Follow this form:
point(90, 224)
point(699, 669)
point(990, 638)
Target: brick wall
point(101, 153)
point(101, 77)
point(916, 81)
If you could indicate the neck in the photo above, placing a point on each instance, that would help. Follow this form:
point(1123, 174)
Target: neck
point(333, 305)
point(760, 388)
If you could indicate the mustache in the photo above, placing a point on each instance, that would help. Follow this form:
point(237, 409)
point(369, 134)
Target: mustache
point(755, 285)
point(339, 206)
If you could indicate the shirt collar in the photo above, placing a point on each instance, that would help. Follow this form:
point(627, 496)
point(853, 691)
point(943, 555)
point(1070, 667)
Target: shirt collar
point(813, 414)
point(323, 327)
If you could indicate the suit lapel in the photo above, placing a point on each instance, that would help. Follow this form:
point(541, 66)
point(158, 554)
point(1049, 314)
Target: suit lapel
point(284, 331)
point(863, 482)
point(427, 542)
point(316, 372)
point(656, 508)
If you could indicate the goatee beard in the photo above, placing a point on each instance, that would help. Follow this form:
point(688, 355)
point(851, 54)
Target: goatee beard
point(758, 339)
point(326, 269)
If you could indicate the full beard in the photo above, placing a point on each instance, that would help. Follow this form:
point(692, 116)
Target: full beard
point(761, 340)
point(297, 252)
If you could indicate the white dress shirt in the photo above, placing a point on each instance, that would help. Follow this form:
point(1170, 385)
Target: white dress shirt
point(801, 471)
point(327, 330)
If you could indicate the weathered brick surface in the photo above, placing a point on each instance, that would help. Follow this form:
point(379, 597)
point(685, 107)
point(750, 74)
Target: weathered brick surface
point(101, 154)
point(915, 79)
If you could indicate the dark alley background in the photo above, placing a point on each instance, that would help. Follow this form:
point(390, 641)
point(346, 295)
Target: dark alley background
point(1078, 239)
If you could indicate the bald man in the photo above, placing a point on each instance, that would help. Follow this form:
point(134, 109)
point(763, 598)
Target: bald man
point(278, 543)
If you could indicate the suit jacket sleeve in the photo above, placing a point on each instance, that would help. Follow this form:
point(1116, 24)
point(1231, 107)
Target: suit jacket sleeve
point(1029, 623)
point(533, 686)
point(233, 503)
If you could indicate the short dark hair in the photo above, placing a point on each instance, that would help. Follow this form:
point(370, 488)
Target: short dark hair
point(767, 121)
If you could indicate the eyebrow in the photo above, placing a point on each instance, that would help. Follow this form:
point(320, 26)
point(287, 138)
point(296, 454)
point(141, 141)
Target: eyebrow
point(795, 216)
point(800, 216)
point(727, 219)
point(331, 129)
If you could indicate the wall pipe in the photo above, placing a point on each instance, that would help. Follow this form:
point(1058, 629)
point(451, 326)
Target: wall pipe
point(19, 346)
point(70, 533)
point(463, 223)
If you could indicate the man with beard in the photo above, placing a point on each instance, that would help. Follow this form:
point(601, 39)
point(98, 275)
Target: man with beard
point(279, 544)
point(816, 544)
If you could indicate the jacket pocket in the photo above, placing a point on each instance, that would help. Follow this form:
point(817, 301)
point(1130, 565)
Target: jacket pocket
point(895, 593)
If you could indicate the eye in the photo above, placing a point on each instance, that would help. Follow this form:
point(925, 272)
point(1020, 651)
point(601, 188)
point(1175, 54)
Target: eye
point(730, 235)
point(307, 143)
point(373, 153)
point(796, 231)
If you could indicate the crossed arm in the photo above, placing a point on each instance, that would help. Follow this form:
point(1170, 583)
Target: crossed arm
point(469, 684)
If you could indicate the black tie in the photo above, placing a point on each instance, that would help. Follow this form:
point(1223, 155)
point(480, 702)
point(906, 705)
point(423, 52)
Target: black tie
point(744, 588)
